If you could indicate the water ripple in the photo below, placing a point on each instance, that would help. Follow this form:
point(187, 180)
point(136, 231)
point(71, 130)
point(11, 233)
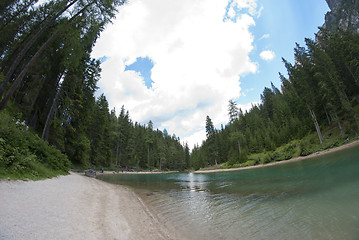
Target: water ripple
point(305, 200)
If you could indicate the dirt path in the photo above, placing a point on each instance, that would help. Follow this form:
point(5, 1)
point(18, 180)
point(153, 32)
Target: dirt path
point(74, 207)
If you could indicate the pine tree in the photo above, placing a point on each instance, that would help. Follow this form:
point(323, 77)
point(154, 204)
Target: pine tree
point(149, 141)
point(233, 111)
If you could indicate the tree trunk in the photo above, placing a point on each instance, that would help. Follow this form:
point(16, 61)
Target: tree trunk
point(18, 80)
point(328, 118)
point(32, 121)
point(316, 124)
point(355, 79)
point(120, 157)
point(160, 163)
point(137, 162)
point(52, 111)
point(27, 46)
point(148, 155)
point(239, 147)
point(117, 149)
point(339, 124)
point(12, 19)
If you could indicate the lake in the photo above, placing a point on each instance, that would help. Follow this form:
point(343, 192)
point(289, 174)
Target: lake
point(311, 199)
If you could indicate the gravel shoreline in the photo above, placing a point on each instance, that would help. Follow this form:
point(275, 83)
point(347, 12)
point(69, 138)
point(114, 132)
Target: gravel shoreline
point(75, 207)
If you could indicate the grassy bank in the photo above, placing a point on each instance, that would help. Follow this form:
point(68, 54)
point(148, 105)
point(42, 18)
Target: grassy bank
point(23, 155)
point(297, 148)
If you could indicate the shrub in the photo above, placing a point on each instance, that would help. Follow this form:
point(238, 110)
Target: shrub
point(249, 163)
point(24, 155)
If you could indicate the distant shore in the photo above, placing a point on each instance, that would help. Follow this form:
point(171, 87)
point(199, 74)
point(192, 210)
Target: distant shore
point(296, 159)
point(129, 172)
point(75, 207)
point(320, 153)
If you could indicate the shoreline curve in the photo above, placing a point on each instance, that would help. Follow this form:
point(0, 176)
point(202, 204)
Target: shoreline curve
point(75, 207)
point(296, 159)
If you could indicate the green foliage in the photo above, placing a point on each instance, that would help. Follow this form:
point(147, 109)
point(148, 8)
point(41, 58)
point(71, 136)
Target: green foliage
point(233, 156)
point(24, 155)
point(286, 152)
point(56, 99)
point(317, 108)
point(305, 148)
point(249, 163)
point(56, 96)
point(209, 127)
point(83, 148)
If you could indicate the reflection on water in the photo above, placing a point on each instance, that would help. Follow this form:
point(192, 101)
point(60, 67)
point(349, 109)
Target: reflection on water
point(312, 199)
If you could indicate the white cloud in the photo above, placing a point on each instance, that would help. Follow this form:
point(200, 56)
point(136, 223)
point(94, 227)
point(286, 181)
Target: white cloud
point(248, 106)
point(265, 36)
point(198, 59)
point(251, 5)
point(267, 55)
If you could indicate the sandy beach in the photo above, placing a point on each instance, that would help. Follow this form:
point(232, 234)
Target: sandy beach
point(346, 146)
point(75, 207)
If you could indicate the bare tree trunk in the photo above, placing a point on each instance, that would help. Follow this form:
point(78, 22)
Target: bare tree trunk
point(27, 46)
point(339, 124)
point(52, 111)
point(316, 124)
point(355, 79)
point(328, 118)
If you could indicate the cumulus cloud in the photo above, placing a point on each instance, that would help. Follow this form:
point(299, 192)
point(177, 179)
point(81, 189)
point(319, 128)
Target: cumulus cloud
point(267, 55)
point(198, 57)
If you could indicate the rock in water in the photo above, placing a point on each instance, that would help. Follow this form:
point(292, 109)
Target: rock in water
point(90, 173)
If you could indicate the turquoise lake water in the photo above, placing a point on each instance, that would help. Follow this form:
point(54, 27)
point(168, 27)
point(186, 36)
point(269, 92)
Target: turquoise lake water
point(310, 199)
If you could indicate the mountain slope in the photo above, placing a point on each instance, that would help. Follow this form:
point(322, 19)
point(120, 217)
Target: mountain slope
point(344, 14)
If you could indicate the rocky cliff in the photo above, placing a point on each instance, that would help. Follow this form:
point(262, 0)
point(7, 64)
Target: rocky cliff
point(344, 14)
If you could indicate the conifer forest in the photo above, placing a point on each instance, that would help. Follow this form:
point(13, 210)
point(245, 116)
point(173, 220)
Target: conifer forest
point(51, 118)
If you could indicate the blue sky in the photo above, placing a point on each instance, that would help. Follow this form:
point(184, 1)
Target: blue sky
point(286, 22)
point(175, 62)
point(277, 29)
point(142, 66)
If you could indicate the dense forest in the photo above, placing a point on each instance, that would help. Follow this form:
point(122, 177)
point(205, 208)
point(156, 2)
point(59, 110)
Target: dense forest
point(51, 119)
point(48, 82)
point(316, 108)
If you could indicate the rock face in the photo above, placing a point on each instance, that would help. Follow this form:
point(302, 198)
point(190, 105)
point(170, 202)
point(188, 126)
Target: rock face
point(344, 14)
point(333, 4)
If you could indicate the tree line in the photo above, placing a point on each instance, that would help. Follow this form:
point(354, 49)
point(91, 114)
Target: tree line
point(48, 79)
point(320, 92)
